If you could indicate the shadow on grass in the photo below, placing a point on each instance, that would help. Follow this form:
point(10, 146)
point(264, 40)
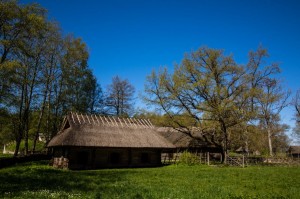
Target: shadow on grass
point(25, 177)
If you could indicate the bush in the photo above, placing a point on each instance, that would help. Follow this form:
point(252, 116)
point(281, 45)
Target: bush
point(40, 146)
point(188, 158)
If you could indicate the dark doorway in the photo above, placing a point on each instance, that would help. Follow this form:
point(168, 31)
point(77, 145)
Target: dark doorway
point(83, 158)
point(144, 158)
point(115, 158)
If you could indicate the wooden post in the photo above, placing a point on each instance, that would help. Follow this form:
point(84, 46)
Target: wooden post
point(207, 158)
point(200, 157)
point(243, 161)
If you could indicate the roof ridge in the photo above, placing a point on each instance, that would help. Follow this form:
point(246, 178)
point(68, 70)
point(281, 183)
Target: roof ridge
point(106, 120)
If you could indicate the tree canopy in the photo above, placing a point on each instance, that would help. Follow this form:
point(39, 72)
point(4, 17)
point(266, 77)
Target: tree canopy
point(210, 90)
point(43, 74)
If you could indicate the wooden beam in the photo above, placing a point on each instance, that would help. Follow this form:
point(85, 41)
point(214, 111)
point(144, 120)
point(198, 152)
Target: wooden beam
point(78, 118)
point(94, 121)
point(115, 121)
point(125, 122)
point(139, 122)
point(120, 121)
point(102, 119)
point(107, 122)
point(97, 119)
point(82, 118)
point(132, 122)
point(88, 119)
point(73, 118)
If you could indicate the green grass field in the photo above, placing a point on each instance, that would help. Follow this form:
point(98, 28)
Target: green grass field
point(38, 180)
point(40, 146)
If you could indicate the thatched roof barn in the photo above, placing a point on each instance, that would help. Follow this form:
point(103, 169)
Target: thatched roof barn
point(194, 142)
point(90, 141)
point(294, 151)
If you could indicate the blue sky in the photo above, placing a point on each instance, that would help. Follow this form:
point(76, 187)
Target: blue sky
point(130, 38)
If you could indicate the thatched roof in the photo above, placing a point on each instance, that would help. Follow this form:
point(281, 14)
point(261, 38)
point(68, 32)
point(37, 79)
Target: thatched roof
point(183, 140)
point(106, 131)
point(294, 150)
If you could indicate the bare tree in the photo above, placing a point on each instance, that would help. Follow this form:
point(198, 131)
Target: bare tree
point(120, 96)
point(296, 104)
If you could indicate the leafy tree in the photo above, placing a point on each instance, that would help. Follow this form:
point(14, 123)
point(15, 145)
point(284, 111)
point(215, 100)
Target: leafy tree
point(21, 39)
point(43, 74)
point(120, 95)
point(255, 138)
point(269, 98)
point(271, 102)
point(208, 88)
point(74, 87)
point(210, 91)
point(51, 55)
point(6, 126)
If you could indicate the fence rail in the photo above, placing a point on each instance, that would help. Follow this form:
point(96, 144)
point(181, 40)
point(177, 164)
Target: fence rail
point(238, 160)
point(201, 158)
point(246, 160)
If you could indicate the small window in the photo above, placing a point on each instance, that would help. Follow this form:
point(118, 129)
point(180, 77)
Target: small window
point(115, 158)
point(145, 158)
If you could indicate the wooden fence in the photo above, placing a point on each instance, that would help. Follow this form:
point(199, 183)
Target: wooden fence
point(236, 161)
point(201, 158)
point(239, 161)
point(243, 161)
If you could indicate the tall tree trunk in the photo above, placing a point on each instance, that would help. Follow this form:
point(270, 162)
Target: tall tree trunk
point(20, 129)
point(26, 126)
point(36, 136)
point(270, 141)
point(26, 137)
point(43, 107)
point(223, 156)
point(225, 142)
point(18, 143)
point(28, 103)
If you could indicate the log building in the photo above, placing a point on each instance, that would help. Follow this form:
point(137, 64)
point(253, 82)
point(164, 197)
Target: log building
point(91, 142)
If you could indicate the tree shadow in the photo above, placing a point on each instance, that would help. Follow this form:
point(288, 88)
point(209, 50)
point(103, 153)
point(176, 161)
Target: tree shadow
point(19, 179)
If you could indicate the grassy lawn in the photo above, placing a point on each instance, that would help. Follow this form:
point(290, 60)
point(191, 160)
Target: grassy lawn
point(5, 155)
point(38, 180)
point(40, 146)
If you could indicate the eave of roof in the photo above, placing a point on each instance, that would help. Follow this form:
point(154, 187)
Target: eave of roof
point(101, 131)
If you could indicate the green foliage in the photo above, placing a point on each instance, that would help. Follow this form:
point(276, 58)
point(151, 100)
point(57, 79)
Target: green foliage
point(38, 180)
point(208, 89)
point(40, 146)
point(43, 74)
point(5, 155)
point(187, 158)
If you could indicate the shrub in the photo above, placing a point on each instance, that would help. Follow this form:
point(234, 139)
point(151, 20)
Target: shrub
point(188, 158)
